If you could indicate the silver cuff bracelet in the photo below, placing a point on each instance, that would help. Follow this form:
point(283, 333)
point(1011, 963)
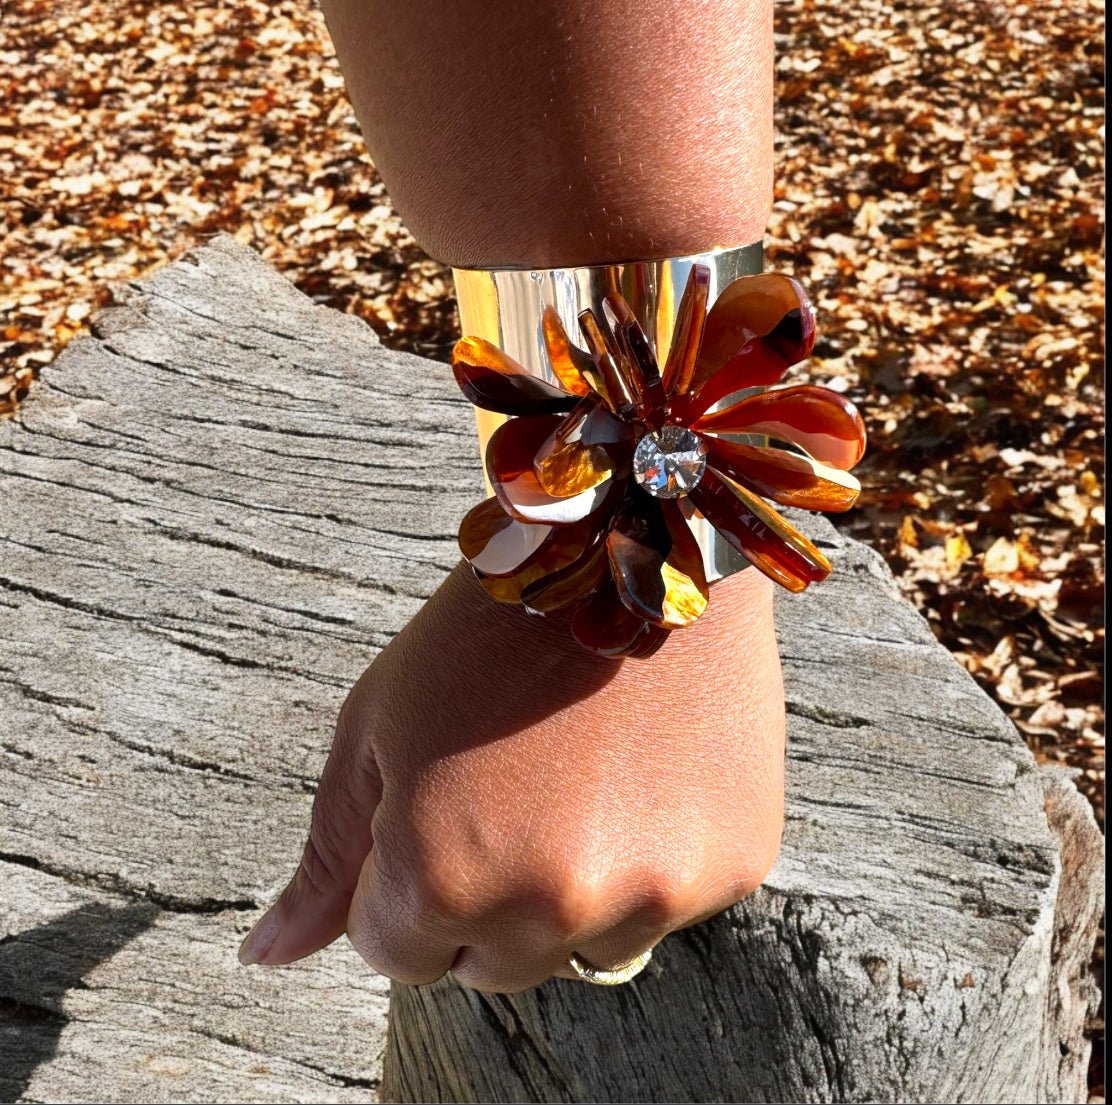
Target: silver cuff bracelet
point(506, 307)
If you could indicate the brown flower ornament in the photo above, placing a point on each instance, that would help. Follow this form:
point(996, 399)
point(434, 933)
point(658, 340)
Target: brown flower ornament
point(594, 480)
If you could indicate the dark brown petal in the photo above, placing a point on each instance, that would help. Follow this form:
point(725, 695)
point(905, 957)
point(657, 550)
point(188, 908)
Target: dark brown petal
point(560, 589)
point(496, 382)
point(759, 533)
point(688, 333)
point(787, 478)
point(604, 625)
point(827, 425)
point(757, 329)
point(575, 370)
point(494, 543)
point(510, 455)
point(772, 307)
point(619, 385)
point(754, 366)
point(651, 639)
point(656, 563)
point(590, 445)
point(639, 359)
point(564, 547)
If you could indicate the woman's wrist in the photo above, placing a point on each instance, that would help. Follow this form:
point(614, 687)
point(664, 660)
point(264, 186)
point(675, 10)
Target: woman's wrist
point(505, 636)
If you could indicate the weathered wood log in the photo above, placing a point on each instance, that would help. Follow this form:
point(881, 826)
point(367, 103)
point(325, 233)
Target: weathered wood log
point(218, 506)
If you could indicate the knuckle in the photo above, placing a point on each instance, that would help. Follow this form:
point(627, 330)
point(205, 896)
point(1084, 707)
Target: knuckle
point(665, 901)
point(577, 905)
point(756, 866)
point(441, 893)
point(367, 935)
point(377, 926)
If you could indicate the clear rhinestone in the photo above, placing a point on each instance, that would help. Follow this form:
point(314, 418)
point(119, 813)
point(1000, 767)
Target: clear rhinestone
point(670, 462)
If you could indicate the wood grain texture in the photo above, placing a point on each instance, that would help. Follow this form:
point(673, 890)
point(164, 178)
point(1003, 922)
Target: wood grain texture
point(218, 507)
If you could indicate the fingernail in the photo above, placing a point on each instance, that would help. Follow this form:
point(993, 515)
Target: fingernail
point(260, 939)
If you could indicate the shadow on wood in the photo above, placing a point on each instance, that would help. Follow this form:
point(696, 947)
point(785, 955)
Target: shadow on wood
point(32, 965)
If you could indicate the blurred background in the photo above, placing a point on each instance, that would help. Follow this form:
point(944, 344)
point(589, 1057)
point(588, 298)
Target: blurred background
point(939, 191)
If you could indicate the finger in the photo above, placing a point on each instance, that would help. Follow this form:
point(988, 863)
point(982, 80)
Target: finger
point(650, 917)
point(390, 930)
point(507, 967)
point(615, 948)
point(312, 911)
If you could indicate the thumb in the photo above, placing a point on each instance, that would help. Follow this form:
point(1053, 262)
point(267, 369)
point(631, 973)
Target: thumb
point(312, 911)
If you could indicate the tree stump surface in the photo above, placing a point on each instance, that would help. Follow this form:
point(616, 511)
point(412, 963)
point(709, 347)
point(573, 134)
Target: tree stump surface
point(218, 506)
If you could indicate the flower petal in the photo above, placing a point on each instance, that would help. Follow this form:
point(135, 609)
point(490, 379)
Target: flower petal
point(492, 380)
point(656, 563)
point(590, 445)
point(787, 478)
point(652, 637)
point(638, 356)
point(827, 425)
point(769, 542)
point(510, 455)
point(575, 370)
point(619, 383)
point(563, 548)
point(604, 625)
point(562, 588)
point(758, 328)
point(496, 544)
point(687, 335)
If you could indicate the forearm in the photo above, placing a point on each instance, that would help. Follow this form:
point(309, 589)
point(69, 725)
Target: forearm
point(565, 132)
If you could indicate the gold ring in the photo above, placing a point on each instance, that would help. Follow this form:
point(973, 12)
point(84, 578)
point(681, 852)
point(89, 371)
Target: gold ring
point(615, 976)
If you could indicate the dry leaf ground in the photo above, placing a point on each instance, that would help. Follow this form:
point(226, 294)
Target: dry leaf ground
point(940, 191)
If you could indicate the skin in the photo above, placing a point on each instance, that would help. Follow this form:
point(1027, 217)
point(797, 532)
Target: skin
point(496, 798)
point(565, 132)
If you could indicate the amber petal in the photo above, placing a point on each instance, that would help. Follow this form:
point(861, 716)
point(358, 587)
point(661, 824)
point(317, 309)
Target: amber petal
point(604, 625)
point(560, 589)
point(618, 383)
point(589, 446)
point(759, 533)
point(656, 563)
point(827, 425)
point(575, 370)
point(510, 454)
point(564, 547)
point(494, 543)
point(496, 382)
point(688, 333)
point(788, 478)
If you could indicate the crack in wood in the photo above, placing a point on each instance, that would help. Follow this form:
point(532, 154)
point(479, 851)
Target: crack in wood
point(115, 884)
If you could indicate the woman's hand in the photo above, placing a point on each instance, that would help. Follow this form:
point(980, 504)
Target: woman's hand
point(497, 799)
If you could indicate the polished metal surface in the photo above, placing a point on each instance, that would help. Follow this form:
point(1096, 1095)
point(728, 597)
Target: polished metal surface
point(505, 307)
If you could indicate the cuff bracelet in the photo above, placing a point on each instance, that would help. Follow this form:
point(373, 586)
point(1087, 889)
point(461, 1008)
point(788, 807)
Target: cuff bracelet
point(632, 433)
point(506, 308)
